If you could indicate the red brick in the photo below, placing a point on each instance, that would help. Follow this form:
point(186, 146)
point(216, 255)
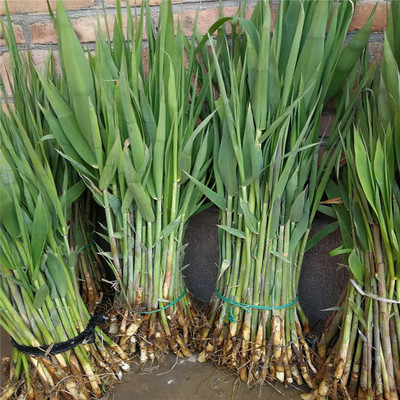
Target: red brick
point(5, 109)
point(362, 13)
point(138, 2)
point(38, 57)
point(4, 69)
point(19, 36)
point(84, 27)
point(37, 6)
point(206, 18)
point(43, 32)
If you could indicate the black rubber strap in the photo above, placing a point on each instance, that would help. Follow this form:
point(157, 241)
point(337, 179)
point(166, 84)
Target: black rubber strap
point(85, 337)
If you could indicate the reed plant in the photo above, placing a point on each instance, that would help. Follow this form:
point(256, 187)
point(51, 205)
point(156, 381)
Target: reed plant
point(268, 178)
point(360, 344)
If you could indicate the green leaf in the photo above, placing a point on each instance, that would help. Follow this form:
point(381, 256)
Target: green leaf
point(40, 227)
point(338, 251)
point(72, 194)
point(321, 234)
point(359, 312)
point(250, 219)
point(233, 231)
point(356, 267)
point(215, 198)
point(56, 270)
point(77, 71)
point(40, 296)
point(110, 168)
point(171, 226)
point(8, 214)
point(142, 198)
point(297, 209)
point(363, 167)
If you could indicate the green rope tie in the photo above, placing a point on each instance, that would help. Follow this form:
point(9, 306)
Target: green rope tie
point(163, 308)
point(247, 307)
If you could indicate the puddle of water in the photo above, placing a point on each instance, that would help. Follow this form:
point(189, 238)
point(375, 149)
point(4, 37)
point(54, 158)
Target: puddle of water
point(187, 379)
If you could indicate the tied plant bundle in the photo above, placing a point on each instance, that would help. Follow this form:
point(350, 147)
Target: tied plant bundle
point(268, 179)
point(131, 130)
point(361, 342)
point(40, 303)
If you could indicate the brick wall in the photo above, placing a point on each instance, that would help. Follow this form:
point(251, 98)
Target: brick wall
point(34, 30)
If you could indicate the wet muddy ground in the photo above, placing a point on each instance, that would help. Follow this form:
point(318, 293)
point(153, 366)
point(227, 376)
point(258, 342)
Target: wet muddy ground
point(186, 379)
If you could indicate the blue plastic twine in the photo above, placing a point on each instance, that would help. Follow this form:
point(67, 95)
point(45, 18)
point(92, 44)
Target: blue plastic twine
point(247, 307)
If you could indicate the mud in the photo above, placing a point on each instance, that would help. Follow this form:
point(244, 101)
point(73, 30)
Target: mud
point(187, 379)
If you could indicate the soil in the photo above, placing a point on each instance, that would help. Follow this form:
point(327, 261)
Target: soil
point(186, 379)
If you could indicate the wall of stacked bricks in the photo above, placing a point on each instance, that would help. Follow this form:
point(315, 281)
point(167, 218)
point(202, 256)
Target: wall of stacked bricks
point(34, 29)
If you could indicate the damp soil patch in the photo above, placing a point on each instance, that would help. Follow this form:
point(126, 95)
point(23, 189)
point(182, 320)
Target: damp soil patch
point(187, 379)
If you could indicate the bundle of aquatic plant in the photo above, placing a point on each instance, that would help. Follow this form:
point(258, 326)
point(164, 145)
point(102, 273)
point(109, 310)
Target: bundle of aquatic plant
point(268, 182)
point(57, 354)
point(26, 96)
point(360, 344)
point(40, 304)
point(130, 130)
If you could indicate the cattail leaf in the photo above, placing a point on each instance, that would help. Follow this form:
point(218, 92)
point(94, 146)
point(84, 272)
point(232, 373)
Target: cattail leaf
point(69, 124)
point(96, 136)
point(356, 267)
point(339, 251)
point(110, 168)
point(40, 227)
point(363, 167)
point(349, 57)
point(135, 137)
point(214, 197)
point(227, 163)
point(72, 194)
point(224, 266)
point(359, 223)
point(233, 231)
point(321, 234)
point(300, 229)
point(171, 226)
point(159, 149)
point(77, 71)
point(56, 270)
point(359, 312)
point(127, 201)
point(142, 199)
point(251, 220)
point(380, 163)
point(40, 296)
point(185, 160)
point(391, 75)
point(312, 53)
point(297, 208)
point(7, 213)
point(147, 114)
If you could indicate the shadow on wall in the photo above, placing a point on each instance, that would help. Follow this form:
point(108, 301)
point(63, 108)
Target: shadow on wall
point(321, 282)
